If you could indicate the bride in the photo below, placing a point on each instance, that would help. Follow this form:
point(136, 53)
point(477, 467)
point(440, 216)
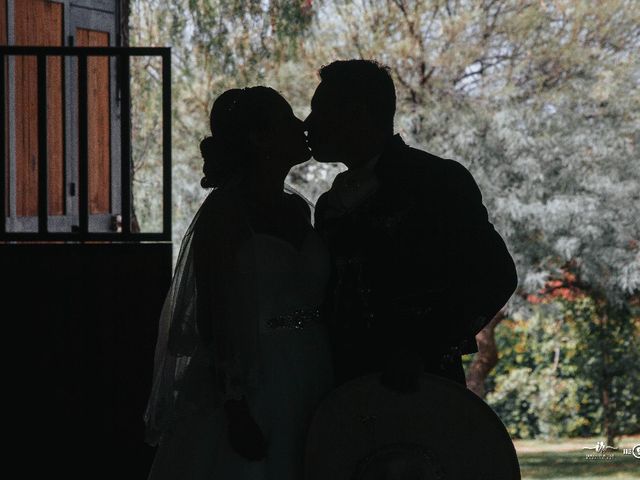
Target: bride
point(241, 358)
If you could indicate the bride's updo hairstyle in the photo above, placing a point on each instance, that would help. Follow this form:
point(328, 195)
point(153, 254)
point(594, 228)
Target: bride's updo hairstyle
point(235, 116)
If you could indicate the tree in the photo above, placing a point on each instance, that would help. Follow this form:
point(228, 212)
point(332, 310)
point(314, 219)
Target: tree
point(566, 372)
point(216, 45)
point(539, 99)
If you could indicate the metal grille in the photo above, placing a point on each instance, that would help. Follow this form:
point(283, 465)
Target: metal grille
point(82, 233)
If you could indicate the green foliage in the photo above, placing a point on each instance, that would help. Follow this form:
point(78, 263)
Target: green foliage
point(534, 387)
point(146, 147)
point(554, 366)
point(608, 357)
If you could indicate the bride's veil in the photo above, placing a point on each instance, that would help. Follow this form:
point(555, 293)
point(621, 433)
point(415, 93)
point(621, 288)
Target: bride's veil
point(290, 189)
point(176, 346)
point(184, 381)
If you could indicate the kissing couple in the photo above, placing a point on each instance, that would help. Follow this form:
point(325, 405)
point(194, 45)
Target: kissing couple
point(267, 313)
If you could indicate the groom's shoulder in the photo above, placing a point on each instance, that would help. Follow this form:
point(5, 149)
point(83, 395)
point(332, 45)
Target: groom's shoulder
point(421, 166)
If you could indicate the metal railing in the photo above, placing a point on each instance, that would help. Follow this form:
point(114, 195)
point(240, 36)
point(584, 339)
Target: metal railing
point(82, 233)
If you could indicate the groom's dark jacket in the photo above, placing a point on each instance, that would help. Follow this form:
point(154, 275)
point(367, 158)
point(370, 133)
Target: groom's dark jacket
point(417, 266)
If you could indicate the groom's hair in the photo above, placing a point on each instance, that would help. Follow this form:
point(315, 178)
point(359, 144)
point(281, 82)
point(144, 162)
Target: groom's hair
point(362, 82)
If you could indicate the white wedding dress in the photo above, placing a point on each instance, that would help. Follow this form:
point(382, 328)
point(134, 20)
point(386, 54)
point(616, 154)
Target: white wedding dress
point(295, 371)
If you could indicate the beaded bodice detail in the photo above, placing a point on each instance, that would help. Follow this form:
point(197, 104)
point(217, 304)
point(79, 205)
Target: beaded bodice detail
point(291, 283)
point(298, 319)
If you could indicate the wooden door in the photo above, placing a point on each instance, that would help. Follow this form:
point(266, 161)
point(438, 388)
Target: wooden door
point(98, 127)
point(37, 22)
point(56, 23)
point(4, 40)
point(94, 28)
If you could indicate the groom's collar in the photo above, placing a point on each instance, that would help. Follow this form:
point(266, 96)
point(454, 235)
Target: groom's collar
point(352, 187)
point(389, 151)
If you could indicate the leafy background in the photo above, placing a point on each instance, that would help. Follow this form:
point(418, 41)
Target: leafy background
point(540, 100)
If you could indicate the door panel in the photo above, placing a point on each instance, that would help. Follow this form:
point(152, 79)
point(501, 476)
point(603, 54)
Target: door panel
point(3, 22)
point(92, 27)
point(98, 122)
point(5, 41)
point(38, 22)
point(51, 23)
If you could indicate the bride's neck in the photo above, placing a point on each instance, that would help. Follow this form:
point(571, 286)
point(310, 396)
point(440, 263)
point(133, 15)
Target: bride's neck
point(264, 188)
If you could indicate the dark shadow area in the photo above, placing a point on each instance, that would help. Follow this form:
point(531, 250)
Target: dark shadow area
point(82, 322)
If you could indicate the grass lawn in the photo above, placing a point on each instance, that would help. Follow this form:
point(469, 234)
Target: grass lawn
point(565, 459)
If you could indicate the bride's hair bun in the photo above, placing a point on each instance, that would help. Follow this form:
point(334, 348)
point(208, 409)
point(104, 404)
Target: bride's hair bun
point(235, 114)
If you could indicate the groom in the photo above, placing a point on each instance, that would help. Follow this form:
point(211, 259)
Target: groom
point(418, 269)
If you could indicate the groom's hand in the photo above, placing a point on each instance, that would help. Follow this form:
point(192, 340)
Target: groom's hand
point(244, 434)
point(402, 372)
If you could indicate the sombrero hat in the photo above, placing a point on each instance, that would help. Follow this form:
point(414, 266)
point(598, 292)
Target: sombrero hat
point(363, 431)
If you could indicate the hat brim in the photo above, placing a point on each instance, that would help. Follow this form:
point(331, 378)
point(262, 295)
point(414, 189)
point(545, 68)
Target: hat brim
point(460, 435)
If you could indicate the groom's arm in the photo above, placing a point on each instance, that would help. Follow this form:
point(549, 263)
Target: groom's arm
point(482, 273)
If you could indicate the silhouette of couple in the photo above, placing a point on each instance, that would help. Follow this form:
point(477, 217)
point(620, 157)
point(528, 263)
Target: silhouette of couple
point(268, 313)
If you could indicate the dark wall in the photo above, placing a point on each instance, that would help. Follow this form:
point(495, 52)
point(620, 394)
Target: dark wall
point(82, 322)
